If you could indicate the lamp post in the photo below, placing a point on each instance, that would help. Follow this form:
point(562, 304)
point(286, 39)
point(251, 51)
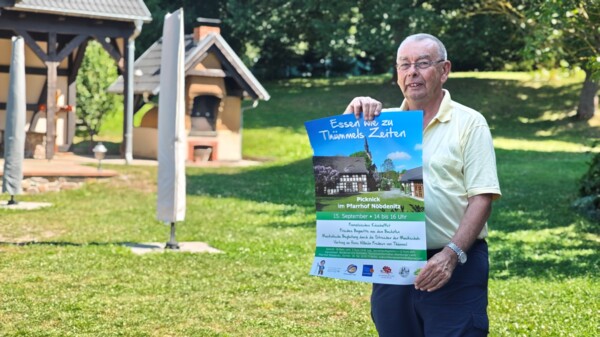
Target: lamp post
point(99, 153)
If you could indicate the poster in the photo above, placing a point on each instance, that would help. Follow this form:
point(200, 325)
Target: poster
point(369, 197)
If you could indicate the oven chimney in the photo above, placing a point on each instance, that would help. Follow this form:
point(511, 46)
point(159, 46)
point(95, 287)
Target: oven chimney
point(206, 25)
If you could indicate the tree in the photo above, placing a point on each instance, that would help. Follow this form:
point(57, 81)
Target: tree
point(388, 165)
point(284, 38)
point(325, 177)
point(558, 33)
point(192, 9)
point(97, 72)
point(281, 37)
point(388, 172)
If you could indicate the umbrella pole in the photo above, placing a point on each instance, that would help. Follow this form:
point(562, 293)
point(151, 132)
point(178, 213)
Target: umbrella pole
point(12, 200)
point(172, 244)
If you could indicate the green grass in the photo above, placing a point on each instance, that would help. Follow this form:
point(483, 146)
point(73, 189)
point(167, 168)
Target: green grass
point(76, 278)
point(401, 203)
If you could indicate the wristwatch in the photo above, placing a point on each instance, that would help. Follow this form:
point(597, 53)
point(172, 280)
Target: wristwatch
point(462, 256)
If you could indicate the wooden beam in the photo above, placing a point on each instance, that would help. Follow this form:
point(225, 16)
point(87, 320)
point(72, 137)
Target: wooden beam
point(29, 107)
point(35, 71)
point(206, 73)
point(44, 93)
point(51, 47)
point(232, 71)
point(76, 63)
point(32, 44)
point(121, 62)
point(111, 50)
point(69, 47)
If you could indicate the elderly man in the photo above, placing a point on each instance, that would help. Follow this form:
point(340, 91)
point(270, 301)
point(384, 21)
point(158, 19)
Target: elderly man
point(449, 297)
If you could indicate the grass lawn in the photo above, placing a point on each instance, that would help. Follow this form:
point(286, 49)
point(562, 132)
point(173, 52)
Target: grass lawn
point(75, 277)
point(400, 201)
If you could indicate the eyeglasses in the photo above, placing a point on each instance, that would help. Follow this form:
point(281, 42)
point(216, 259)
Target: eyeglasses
point(419, 64)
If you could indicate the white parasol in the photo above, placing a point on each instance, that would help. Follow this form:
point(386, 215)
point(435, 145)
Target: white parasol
point(14, 133)
point(171, 126)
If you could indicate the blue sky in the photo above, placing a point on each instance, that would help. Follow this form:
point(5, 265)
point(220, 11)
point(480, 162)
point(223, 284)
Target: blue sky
point(395, 135)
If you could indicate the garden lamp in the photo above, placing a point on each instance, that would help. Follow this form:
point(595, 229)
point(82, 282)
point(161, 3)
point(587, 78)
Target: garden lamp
point(99, 153)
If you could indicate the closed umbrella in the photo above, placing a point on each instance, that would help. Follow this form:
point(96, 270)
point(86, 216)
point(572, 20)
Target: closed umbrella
point(14, 133)
point(171, 126)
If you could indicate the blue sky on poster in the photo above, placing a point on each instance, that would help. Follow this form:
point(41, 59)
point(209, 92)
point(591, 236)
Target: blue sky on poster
point(396, 135)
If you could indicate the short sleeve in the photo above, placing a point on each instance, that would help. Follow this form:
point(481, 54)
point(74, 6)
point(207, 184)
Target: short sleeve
point(480, 173)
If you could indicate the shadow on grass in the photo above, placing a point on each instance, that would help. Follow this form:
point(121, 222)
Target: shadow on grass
point(534, 231)
point(289, 184)
point(548, 259)
point(516, 110)
point(538, 189)
point(513, 108)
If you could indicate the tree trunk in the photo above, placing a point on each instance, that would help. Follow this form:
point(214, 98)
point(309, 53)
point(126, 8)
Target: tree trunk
point(588, 98)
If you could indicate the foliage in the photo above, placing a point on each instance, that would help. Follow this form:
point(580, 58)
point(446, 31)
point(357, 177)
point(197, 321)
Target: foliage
point(283, 38)
point(314, 36)
point(96, 73)
point(389, 174)
point(386, 184)
point(562, 33)
point(417, 208)
point(388, 165)
point(590, 182)
point(589, 190)
point(192, 9)
point(325, 177)
point(557, 33)
point(363, 154)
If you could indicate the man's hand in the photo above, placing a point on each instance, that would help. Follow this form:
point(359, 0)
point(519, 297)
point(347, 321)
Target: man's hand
point(437, 271)
point(370, 108)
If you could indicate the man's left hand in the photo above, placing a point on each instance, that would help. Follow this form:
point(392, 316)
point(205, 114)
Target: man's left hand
point(437, 271)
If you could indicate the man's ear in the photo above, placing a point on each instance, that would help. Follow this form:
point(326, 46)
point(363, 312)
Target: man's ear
point(446, 67)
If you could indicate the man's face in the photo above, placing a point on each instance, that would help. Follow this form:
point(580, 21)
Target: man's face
point(421, 85)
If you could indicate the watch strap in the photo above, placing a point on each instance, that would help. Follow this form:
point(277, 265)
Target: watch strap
point(459, 252)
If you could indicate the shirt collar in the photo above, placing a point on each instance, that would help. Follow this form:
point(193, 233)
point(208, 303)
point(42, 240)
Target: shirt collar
point(444, 114)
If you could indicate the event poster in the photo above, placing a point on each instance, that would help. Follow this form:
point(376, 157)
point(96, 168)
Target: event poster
point(369, 197)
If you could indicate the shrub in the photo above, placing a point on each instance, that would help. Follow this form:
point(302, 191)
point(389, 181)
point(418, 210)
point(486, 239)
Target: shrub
point(589, 190)
point(97, 72)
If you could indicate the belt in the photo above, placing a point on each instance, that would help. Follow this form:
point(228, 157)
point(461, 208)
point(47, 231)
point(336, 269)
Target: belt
point(432, 252)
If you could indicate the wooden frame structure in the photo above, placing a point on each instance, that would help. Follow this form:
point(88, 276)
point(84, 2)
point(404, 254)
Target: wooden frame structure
point(56, 31)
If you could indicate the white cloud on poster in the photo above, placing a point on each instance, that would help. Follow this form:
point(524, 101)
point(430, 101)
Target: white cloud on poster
point(398, 155)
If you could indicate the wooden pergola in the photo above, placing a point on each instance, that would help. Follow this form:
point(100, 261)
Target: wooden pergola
point(59, 30)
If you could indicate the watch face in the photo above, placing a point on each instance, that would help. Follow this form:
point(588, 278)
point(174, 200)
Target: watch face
point(462, 258)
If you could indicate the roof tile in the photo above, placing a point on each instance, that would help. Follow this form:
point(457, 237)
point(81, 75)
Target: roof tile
point(122, 10)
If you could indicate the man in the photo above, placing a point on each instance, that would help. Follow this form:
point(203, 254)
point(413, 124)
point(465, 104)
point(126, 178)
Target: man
point(449, 297)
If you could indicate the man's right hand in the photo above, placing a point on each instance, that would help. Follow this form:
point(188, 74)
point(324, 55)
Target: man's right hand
point(368, 106)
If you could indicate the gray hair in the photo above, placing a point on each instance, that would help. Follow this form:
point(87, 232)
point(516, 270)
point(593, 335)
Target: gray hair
point(423, 36)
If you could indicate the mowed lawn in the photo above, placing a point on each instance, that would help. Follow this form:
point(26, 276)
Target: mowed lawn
point(397, 200)
point(66, 272)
